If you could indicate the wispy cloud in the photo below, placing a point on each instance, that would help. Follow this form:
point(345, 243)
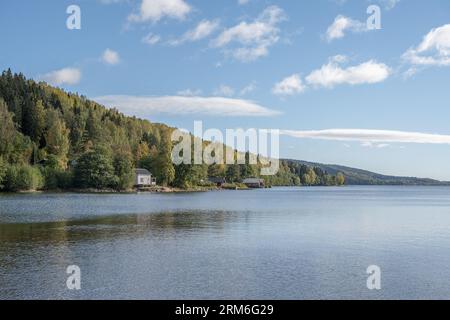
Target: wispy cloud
point(252, 40)
point(380, 137)
point(204, 29)
point(243, 2)
point(189, 92)
point(182, 105)
point(151, 39)
point(224, 90)
point(248, 89)
point(390, 4)
point(110, 57)
point(343, 24)
point(155, 10)
point(69, 76)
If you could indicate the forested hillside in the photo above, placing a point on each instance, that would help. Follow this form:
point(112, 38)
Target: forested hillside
point(51, 139)
point(363, 177)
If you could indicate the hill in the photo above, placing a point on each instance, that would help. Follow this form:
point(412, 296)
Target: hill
point(53, 139)
point(355, 176)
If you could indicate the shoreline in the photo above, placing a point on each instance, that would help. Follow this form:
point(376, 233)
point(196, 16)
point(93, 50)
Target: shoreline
point(131, 191)
point(170, 190)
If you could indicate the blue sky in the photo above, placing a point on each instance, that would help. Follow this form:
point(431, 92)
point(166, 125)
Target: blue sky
point(304, 67)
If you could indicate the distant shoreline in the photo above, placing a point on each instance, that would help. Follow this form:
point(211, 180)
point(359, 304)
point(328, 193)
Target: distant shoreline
point(169, 190)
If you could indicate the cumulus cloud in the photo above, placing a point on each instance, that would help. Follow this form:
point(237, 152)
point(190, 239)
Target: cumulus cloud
point(155, 10)
point(343, 24)
point(151, 39)
point(289, 86)
point(69, 76)
point(204, 29)
point(243, 2)
point(434, 50)
point(110, 57)
point(378, 138)
point(252, 40)
point(332, 73)
point(178, 105)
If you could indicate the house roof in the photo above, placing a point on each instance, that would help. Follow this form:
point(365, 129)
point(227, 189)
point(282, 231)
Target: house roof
point(253, 180)
point(142, 172)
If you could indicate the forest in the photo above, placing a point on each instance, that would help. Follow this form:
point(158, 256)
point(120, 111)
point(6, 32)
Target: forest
point(55, 140)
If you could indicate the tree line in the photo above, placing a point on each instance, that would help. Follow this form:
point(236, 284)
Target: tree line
point(51, 139)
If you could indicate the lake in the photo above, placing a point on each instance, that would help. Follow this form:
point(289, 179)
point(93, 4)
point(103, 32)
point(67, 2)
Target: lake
point(280, 243)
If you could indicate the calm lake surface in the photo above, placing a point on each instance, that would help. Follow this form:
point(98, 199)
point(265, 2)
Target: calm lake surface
point(281, 243)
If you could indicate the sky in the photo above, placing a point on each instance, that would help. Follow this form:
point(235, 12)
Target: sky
point(341, 89)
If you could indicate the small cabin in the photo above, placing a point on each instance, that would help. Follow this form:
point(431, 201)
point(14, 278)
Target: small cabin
point(144, 178)
point(254, 183)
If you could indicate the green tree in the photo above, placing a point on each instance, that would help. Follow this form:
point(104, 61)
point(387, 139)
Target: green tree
point(14, 147)
point(124, 171)
point(162, 165)
point(233, 173)
point(94, 169)
point(57, 139)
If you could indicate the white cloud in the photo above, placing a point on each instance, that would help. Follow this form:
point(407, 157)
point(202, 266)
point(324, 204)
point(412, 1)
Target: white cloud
point(225, 91)
point(110, 57)
point(176, 105)
point(370, 137)
point(289, 86)
point(155, 10)
point(204, 29)
point(69, 76)
point(343, 24)
point(332, 74)
point(434, 50)
point(151, 39)
point(252, 40)
point(243, 2)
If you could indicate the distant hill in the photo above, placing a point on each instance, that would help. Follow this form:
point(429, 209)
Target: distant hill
point(355, 176)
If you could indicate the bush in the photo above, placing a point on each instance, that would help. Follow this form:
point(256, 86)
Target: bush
point(23, 178)
point(3, 168)
point(65, 179)
point(57, 178)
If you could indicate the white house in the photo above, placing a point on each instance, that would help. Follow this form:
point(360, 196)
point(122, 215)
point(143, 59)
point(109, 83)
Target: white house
point(144, 178)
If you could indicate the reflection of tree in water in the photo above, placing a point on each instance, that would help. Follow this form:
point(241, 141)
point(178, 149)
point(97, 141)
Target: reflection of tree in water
point(162, 225)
